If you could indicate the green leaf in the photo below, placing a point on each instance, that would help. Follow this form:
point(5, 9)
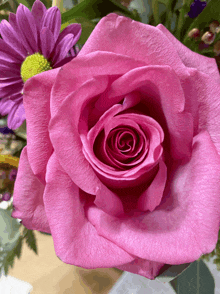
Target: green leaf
point(91, 9)
point(4, 8)
point(31, 240)
point(9, 229)
point(170, 272)
point(3, 2)
point(196, 279)
point(210, 13)
point(17, 249)
point(8, 261)
point(87, 27)
point(26, 3)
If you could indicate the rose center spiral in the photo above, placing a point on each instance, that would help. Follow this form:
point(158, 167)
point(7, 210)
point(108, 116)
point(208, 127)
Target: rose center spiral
point(124, 146)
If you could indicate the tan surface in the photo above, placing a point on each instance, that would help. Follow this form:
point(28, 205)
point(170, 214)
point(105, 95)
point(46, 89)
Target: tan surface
point(49, 275)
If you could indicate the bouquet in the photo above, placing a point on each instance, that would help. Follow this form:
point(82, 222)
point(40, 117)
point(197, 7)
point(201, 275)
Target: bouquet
point(122, 161)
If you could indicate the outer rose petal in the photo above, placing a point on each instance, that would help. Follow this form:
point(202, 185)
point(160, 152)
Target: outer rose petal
point(76, 241)
point(191, 59)
point(36, 101)
point(185, 225)
point(206, 93)
point(86, 68)
point(28, 205)
point(144, 42)
point(146, 268)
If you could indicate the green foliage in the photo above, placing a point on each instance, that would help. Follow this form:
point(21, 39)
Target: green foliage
point(92, 9)
point(26, 3)
point(17, 249)
point(215, 252)
point(87, 28)
point(195, 279)
point(209, 14)
point(30, 239)
point(29, 3)
point(4, 7)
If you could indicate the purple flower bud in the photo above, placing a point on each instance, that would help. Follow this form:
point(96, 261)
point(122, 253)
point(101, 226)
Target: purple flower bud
point(196, 8)
point(13, 174)
point(6, 196)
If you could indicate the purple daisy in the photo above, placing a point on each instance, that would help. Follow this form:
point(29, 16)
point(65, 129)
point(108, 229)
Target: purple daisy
point(31, 37)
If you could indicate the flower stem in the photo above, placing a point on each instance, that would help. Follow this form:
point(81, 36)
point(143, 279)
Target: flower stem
point(181, 20)
point(58, 3)
point(155, 8)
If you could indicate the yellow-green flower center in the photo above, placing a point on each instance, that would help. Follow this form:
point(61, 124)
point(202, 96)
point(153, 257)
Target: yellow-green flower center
point(33, 65)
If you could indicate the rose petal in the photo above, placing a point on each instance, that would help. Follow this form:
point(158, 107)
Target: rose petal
point(29, 206)
point(86, 68)
point(186, 223)
point(111, 34)
point(81, 245)
point(192, 59)
point(170, 99)
point(205, 91)
point(152, 196)
point(146, 268)
point(36, 100)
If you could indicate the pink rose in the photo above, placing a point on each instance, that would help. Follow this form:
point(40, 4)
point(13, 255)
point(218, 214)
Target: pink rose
point(122, 161)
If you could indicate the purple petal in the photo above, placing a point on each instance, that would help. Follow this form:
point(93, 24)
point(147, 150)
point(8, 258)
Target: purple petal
point(10, 90)
point(47, 42)
point(9, 82)
point(8, 72)
point(38, 10)
point(8, 53)
point(52, 20)
point(10, 65)
point(13, 68)
point(5, 106)
point(16, 97)
point(16, 116)
point(74, 29)
point(11, 38)
point(9, 58)
point(63, 61)
point(13, 23)
point(28, 30)
point(62, 49)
